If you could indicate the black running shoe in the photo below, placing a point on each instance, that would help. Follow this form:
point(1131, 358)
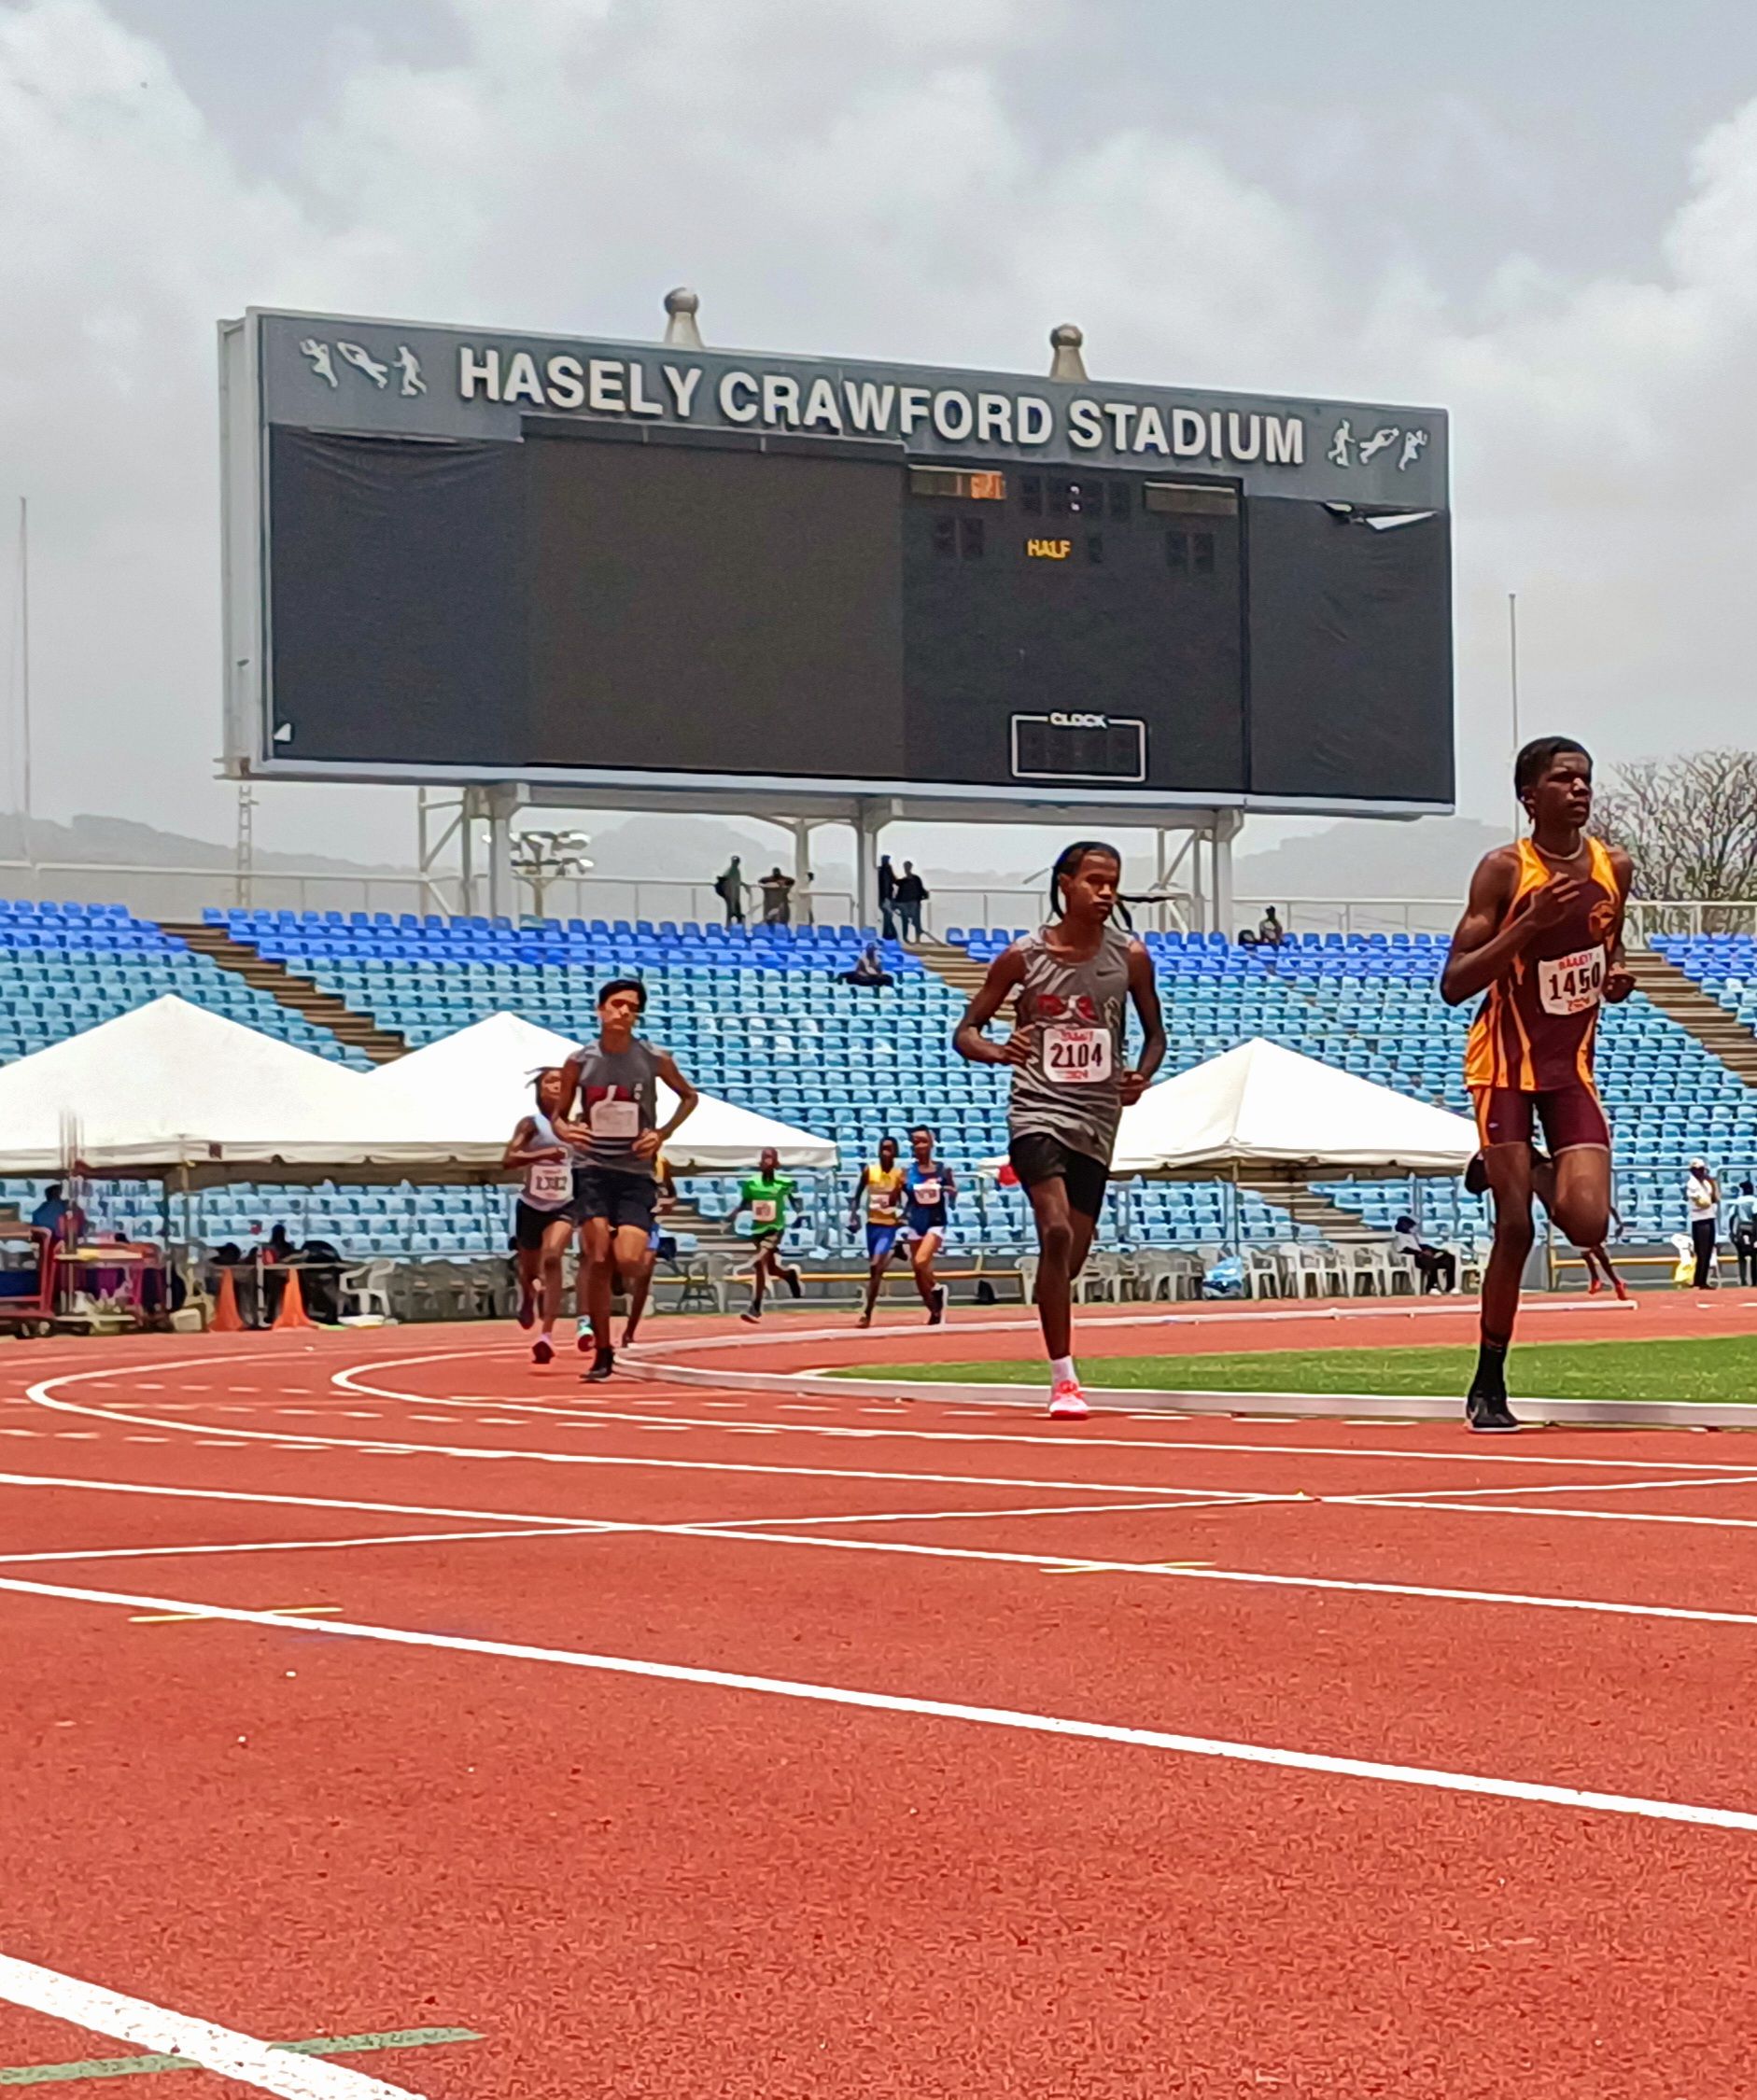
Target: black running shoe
point(936, 1309)
point(1488, 1414)
point(794, 1282)
point(603, 1364)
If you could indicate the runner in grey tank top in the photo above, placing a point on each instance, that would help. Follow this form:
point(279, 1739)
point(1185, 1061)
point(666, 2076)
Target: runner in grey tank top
point(1069, 982)
point(1070, 1088)
point(616, 1079)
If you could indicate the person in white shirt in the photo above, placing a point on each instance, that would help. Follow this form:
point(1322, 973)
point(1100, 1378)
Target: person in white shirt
point(1438, 1266)
point(1702, 1194)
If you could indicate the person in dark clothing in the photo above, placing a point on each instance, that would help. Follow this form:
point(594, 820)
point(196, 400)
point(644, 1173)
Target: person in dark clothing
point(887, 898)
point(911, 896)
point(1742, 1224)
point(729, 889)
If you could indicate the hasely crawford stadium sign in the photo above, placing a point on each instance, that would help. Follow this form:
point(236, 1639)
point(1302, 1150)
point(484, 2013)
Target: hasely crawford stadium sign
point(328, 371)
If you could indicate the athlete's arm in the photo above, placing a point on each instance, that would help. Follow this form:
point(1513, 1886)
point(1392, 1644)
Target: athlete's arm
point(1145, 991)
point(522, 1150)
point(652, 1141)
point(1483, 946)
point(1006, 972)
point(853, 1201)
point(1619, 978)
point(570, 1085)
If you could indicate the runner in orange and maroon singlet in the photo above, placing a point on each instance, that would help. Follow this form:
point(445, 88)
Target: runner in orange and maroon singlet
point(1541, 938)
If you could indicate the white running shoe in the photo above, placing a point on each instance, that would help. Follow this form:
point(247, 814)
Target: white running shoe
point(1067, 1403)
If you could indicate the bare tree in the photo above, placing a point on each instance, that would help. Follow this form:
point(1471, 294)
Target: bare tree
point(1689, 822)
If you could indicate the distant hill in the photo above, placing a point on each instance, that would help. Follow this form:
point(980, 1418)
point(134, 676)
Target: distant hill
point(1430, 857)
point(119, 842)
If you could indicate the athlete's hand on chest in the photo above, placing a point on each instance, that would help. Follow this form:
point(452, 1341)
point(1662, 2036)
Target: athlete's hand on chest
point(1552, 904)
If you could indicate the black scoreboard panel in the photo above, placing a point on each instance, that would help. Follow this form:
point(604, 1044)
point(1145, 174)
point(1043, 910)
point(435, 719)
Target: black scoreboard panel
point(589, 600)
point(1064, 595)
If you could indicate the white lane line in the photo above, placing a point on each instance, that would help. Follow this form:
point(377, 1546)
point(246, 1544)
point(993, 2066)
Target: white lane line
point(307, 1545)
point(1548, 1509)
point(1434, 1779)
point(220, 2049)
point(734, 1524)
point(43, 1394)
point(1419, 1496)
point(351, 1381)
point(727, 1528)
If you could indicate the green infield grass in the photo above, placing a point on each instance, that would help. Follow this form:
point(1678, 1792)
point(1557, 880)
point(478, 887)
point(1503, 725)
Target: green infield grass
point(1717, 1368)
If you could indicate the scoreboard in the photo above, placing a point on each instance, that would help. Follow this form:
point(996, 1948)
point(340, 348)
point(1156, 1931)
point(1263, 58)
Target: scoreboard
point(460, 557)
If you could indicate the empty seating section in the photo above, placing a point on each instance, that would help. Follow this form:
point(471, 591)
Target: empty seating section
point(761, 1019)
point(65, 968)
point(1724, 965)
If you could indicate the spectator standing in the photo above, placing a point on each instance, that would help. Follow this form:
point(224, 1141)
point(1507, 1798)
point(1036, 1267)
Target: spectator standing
point(1270, 932)
point(1437, 1267)
point(777, 898)
point(729, 889)
point(887, 898)
point(1743, 1220)
point(1702, 1195)
point(911, 896)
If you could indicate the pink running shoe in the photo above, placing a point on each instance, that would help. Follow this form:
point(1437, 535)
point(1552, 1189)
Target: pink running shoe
point(542, 1351)
point(1067, 1403)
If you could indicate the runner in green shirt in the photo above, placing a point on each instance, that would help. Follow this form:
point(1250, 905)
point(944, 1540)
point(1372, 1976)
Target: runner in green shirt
point(766, 1196)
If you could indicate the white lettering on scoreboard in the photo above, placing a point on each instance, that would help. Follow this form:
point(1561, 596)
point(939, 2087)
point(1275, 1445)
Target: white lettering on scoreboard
point(868, 408)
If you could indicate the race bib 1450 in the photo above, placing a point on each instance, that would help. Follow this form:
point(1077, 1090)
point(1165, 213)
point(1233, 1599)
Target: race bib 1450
point(1570, 984)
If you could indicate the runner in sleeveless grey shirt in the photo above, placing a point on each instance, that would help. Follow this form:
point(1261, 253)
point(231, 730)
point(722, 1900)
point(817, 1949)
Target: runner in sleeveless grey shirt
point(544, 1219)
point(1071, 983)
point(616, 1079)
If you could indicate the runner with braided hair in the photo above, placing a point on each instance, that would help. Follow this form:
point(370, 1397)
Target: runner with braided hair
point(1071, 983)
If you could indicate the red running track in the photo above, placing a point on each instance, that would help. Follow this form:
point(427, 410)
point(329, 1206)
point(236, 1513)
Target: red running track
point(1260, 1795)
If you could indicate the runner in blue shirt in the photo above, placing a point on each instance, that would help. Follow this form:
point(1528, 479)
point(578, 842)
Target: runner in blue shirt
point(929, 1188)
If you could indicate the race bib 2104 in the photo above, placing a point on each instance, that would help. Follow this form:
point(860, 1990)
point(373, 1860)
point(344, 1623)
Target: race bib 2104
point(1076, 1056)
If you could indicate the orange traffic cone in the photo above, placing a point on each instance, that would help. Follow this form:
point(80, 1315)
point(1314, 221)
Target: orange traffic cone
point(292, 1312)
point(226, 1319)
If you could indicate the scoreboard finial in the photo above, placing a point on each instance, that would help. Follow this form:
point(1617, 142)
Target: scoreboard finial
point(681, 305)
point(1067, 363)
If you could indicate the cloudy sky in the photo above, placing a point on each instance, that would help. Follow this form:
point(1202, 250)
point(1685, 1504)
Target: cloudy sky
point(1540, 215)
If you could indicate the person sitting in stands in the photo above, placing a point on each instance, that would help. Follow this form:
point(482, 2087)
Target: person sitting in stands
point(1438, 1266)
point(869, 969)
point(1270, 932)
point(56, 1216)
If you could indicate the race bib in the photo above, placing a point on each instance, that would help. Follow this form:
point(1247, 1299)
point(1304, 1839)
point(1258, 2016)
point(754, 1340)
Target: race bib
point(549, 1181)
point(765, 1209)
point(927, 1194)
point(615, 1119)
point(1570, 984)
point(1076, 1056)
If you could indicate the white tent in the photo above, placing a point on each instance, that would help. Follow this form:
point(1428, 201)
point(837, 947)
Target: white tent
point(1262, 1106)
point(468, 1090)
point(171, 1091)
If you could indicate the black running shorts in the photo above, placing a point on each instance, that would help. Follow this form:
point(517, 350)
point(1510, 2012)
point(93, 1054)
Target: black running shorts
point(623, 1199)
point(1039, 1157)
point(530, 1224)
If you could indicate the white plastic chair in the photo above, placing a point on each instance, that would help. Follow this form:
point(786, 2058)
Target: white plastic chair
point(365, 1291)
